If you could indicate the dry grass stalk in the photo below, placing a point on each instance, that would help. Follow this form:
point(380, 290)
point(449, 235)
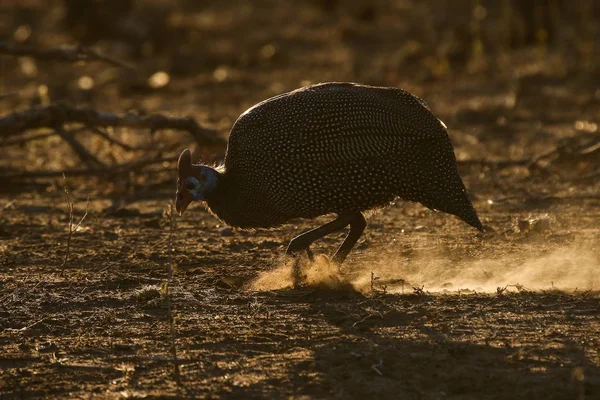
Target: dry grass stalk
point(167, 298)
point(72, 229)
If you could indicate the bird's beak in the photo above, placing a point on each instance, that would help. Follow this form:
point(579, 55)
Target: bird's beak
point(182, 203)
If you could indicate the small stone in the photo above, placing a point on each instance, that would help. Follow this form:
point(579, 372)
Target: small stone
point(269, 244)
point(153, 223)
point(24, 347)
point(523, 225)
point(124, 213)
point(226, 231)
point(111, 236)
point(542, 225)
point(48, 347)
point(231, 282)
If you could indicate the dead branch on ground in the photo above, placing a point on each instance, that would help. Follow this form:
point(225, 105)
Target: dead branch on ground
point(577, 149)
point(25, 139)
point(56, 115)
point(106, 173)
point(9, 95)
point(84, 155)
point(117, 142)
point(499, 164)
point(63, 53)
point(582, 151)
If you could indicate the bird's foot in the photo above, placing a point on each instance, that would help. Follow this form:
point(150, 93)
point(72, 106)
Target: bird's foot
point(297, 246)
point(298, 277)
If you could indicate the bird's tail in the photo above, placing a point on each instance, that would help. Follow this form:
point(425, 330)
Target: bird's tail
point(442, 186)
point(458, 204)
point(467, 212)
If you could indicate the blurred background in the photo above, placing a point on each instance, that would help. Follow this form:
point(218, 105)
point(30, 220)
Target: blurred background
point(511, 78)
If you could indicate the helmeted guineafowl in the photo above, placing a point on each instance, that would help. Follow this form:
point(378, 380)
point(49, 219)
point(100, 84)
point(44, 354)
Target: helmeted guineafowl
point(338, 148)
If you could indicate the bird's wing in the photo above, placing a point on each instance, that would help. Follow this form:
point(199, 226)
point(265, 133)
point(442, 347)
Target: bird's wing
point(331, 124)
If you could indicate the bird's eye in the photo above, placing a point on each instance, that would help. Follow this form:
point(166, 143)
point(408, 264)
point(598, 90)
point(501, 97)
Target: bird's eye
point(190, 185)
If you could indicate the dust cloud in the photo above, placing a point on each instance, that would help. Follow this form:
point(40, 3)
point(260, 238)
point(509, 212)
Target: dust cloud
point(574, 267)
point(565, 268)
point(320, 273)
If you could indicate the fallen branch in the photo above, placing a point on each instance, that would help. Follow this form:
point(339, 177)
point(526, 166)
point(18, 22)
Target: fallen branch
point(495, 163)
point(575, 149)
point(63, 53)
point(594, 177)
point(9, 95)
point(106, 173)
point(59, 114)
point(117, 142)
point(84, 155)
point(26, 139)
point(97, 131)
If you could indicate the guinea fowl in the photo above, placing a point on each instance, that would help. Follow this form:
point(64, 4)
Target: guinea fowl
point(331, 148)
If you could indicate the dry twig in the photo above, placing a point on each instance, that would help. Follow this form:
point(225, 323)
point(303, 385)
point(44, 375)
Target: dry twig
point(500, 290)
point(63, 53)
point(166, 285)
point(495, 163)
point(26, 328)
point(84, 155)
point(376, 367)
point(576, 149)
point(70, 207)
point(419, 291)
point(371, 315)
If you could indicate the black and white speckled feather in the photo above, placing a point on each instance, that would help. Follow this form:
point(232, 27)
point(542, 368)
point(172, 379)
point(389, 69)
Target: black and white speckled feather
point(336, 148)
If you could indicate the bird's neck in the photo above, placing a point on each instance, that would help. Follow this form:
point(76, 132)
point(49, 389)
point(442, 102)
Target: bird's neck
point(222, 200)
point(233, 207)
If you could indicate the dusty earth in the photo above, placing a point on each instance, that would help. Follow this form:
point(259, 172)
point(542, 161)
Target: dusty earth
point(425, 307)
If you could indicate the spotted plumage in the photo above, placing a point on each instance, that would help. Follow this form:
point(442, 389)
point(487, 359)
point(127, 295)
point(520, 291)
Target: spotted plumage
point(330, 148)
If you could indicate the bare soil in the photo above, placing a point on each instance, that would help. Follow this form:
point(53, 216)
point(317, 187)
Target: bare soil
point(424, 308)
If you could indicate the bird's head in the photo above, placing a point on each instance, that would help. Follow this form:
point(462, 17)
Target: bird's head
point(194, 182)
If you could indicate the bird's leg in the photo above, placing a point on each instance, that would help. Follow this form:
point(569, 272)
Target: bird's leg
point(303, 241)
point(357, 227)
point(310, 254)
point(297, 277)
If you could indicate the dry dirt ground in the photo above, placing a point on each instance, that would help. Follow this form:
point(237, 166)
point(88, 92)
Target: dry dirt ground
point(424, 308)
